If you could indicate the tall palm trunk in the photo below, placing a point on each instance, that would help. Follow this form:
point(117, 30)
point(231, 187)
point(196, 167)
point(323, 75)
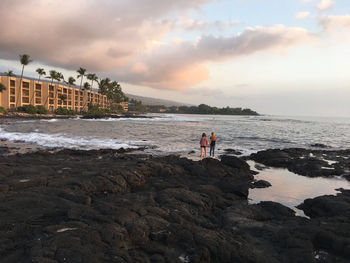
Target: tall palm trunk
point(20, 87)
point(81, 82)
point(48, 94)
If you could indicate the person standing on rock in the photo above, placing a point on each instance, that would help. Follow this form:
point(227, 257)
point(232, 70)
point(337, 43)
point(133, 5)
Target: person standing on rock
point(212, 144)
point(204, 143)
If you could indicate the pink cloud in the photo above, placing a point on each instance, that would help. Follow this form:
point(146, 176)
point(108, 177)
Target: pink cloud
point(117, 38)
point(331, 23)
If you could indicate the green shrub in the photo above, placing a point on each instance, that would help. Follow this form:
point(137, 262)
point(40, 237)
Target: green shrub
point(31, 109)
point(2, 110)
point(64, 111)
point(95, 110)
point(41, 109)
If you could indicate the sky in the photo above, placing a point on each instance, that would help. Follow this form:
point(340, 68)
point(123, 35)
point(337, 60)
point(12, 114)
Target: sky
point(281, 57)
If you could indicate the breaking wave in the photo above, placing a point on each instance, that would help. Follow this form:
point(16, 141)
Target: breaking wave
point(61, 141)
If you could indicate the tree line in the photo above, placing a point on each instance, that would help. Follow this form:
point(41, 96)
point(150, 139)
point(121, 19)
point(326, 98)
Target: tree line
point(202, 109)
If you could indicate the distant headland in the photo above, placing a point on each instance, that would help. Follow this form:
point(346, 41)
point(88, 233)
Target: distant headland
point(202, 109)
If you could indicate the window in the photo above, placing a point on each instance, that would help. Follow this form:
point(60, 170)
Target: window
point(51, 101)
point(51, 95)
point(26, 93)
point(38, 100)
point(51, 88)
point(25, 100)
point(12, 99)
point(12, 106)
point(38, 93)
point(37, 86)
point(12, 91)
point(25, 85)
point(64, 90)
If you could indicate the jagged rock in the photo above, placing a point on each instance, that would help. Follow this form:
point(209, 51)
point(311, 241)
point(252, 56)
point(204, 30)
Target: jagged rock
point(234, 162)
point(261, 184)
point(233, 151)
point(306, 162)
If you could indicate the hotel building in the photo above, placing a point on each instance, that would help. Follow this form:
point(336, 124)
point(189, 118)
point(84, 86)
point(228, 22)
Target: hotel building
point(46, 93)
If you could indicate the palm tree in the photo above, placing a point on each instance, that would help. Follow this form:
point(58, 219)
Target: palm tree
point(41, 72)
point(86, 86)
point(52, 76)
point(2, 87)
point(62, 97)
point(71, 81)
point(92, 77)
point(59, 77)
point(81, 72)
point(103, 85)
point(9, 73)
point(25, 60)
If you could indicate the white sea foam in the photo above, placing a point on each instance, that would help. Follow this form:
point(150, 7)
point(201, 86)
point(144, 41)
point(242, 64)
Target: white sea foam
point(166, 118)
point(71, 142)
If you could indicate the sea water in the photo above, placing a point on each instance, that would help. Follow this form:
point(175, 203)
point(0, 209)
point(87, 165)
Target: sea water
point(180, 134)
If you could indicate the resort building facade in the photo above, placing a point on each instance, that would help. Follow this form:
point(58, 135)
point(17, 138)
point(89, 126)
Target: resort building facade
point(48, 94)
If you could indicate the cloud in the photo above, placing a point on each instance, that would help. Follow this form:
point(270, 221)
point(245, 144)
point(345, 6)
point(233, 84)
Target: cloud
point(325, 5)
point(191, 25)
point(331, 23)
point(117, 38)
point(180, 65)
point(94, 34)
point(302, 15)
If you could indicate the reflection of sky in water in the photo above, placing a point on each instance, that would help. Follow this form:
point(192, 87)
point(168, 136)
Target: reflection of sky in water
point(291, 189)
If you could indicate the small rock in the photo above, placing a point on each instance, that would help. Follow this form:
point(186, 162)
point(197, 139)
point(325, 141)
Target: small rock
point(261, 184)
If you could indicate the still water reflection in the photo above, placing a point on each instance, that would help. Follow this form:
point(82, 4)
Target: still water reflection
point(291, 189)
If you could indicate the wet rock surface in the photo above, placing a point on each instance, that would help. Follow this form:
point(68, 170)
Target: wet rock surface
point(261, 184)
point(311, 163)
point(233, 151)
point(101, 206)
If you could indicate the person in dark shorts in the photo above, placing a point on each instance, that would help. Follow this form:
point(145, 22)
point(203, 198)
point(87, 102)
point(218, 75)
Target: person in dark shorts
point(212, 144)
point(204, 143)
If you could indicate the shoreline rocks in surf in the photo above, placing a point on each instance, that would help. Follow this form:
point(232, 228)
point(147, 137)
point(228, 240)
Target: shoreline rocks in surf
point(307, 162)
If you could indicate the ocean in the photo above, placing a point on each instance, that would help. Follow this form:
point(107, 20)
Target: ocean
point(180, 134)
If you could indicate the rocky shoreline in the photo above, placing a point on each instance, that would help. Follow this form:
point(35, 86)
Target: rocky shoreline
point(307, 162)
point(105, 206)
